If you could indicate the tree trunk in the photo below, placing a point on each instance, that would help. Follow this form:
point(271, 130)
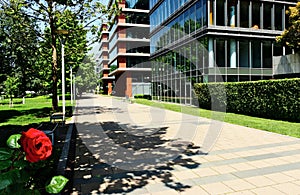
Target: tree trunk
point(54, 59)
point(11, 104)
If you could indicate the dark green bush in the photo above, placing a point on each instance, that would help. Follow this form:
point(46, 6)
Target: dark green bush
point(142, 96)
point(275, 99)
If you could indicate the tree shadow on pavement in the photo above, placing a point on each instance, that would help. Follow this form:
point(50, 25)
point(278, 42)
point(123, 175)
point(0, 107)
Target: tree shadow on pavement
point(101, 167)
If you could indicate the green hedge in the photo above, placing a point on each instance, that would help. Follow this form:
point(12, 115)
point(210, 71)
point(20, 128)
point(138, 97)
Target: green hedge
point(275, 99)
point(142, 96)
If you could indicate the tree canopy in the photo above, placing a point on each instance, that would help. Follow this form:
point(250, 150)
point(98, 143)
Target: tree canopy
point(51, 16)
point(18, 46)
point(291, 36)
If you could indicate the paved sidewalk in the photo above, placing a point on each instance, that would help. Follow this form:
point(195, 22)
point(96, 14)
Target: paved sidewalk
point(125, 148)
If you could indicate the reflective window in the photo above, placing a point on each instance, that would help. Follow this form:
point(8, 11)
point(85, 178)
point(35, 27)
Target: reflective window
point(267, 16)
point(185, 24)
point(267, 54)
point(287, 24)
point(256, 14)
point(193, 19)
point(278, 50)
point(278, 16)
point(244, 13)
point(220, 52)
point(199, 14)
point(136, 47)
point(113, 53)
point(232, 13)
point(164, 10)
point(137, 62)
point(220, 13)
point(137, 4)
point(256, 54)
point(244, 53)
point(137, 33)
point(137, 18)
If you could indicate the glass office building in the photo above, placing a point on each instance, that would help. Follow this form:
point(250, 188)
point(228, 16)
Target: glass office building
point(213, 41)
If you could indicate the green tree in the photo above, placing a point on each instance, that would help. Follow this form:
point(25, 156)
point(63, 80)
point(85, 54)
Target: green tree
point(86, 13)
point(291, 35)
point(76, 47)
point(86, 78)
point(11, 88)
point(18, 44)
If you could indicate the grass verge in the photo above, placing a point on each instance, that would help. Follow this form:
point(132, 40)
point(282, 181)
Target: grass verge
point(276, 126)
point(35, 110)
point(21, 117)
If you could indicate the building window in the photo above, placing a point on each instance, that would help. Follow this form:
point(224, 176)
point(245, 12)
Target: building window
point(220, 52)
point(256, 14)
point(137, 47)
point(199, 15)
point(267, 7)
point(137, 18)
point(193, 19)
point(211, 12)
point(287, 24)
point(256, 54)
point(267, 54)
point(113, 53)
point(137, 4)
point(279, 15)
point(278, 50)
point(187, 22)
point(220, 13)
point(232, 10)
point(204, 15)
point(244, 13)
point(137, 62)
point(244, 53)
point(137, 33)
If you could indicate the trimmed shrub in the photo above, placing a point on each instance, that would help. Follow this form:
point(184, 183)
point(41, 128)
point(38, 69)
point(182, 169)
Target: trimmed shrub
point(274, 99)
point(142, 96)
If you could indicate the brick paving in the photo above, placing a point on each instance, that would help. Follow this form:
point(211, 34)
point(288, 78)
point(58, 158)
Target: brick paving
point(125, 148)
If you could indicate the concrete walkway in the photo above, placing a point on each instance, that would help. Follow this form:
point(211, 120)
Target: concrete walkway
point(125, 148)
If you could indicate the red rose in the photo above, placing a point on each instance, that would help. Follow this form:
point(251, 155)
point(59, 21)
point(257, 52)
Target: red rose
point(36, 144)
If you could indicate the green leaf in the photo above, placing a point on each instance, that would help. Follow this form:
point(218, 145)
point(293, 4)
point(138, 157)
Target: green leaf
point(5, 164)
point(57, 183)
point(9, 178)
point(12, 141)
point(5, 153)
point(21, 163)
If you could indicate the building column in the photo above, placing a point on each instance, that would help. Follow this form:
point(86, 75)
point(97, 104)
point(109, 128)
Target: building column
point(128, 92)
point(211, 55)
point(110, 87)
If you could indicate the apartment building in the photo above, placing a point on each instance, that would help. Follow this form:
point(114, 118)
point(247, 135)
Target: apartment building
point(128, 50)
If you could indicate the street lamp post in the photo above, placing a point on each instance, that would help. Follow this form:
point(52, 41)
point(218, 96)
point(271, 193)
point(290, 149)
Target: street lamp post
point(71, 76)
point(63, 77)
point(62, 40)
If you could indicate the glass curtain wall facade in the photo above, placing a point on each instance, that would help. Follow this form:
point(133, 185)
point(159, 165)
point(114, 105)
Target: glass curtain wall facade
point(212, 41)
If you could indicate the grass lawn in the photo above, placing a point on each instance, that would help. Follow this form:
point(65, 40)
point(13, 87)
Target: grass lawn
point(21, 117)
point(277, 126)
